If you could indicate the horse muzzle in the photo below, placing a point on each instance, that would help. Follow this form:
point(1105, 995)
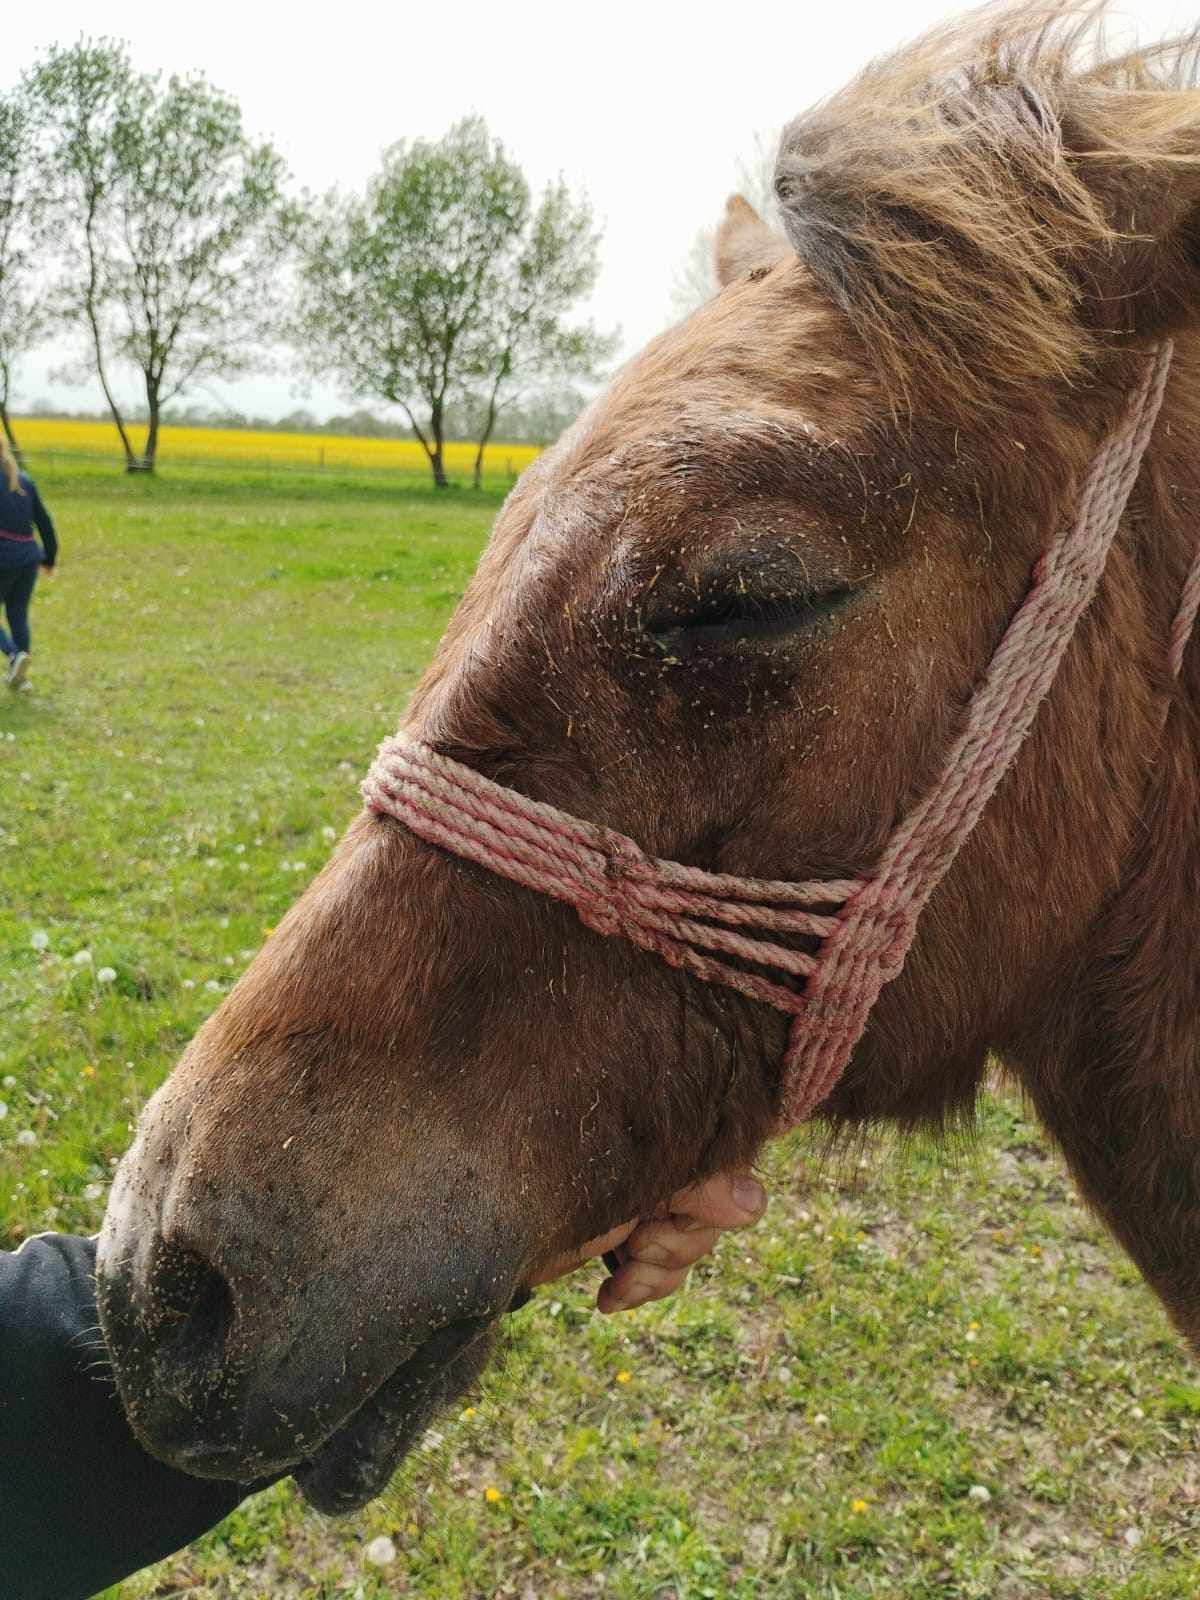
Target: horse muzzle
point(245, 1346)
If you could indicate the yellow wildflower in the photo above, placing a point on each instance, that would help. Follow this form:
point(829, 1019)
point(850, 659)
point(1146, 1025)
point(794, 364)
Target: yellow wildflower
point(624, 1377)
point(858, 1507)
point(492, 1496)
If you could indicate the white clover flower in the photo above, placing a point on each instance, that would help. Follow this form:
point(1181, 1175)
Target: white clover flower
point(328, 833)
point(213, 986)
point(189, 983)
point(39, 939)
point(27, 1136)
point(980, 1493)
point(381, 1552)
point(9, 1081)
point(3, 1111)
point(82, 958)
point(93, 1191)
point(106, 975)
point(299, 866)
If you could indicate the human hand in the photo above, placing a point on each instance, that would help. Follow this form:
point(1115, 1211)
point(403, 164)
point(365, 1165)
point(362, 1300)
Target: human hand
point(47, 572)
point(657, 1254)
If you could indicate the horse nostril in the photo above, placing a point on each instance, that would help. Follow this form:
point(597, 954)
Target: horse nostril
point(189, 1299)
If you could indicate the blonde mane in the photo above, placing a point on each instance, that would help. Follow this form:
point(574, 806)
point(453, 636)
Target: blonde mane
point(997, 204)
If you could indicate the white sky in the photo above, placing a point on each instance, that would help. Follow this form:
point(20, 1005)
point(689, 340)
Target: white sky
point(647, 106)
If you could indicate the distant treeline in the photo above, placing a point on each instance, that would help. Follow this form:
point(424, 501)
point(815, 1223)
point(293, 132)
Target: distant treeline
point(537, 422)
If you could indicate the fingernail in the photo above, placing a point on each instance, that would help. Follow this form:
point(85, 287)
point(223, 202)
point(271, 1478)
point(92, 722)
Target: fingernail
point(748, 1194)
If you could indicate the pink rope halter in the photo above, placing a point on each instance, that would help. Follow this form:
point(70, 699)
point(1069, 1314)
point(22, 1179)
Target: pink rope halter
point(707, 923)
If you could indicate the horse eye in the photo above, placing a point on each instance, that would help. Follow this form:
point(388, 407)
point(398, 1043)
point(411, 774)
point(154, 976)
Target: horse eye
point(738, 612)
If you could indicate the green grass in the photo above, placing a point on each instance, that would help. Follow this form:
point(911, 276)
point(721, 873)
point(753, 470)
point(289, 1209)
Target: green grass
point(214, 668)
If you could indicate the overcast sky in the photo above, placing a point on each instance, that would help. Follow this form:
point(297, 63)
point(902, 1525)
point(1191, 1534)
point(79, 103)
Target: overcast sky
point(646, 106)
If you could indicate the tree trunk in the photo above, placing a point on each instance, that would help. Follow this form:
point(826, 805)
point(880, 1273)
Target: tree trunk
point(486, 434)
point(6, 424)
point(150, 454)
point(93, 317)
point(436, 450)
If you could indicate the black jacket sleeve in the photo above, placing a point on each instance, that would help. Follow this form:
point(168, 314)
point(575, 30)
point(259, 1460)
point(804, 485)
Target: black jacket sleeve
point(82, 1505)
point(45, 526)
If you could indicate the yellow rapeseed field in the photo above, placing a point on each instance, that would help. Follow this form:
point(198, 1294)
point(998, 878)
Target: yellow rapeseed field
point(235, 446)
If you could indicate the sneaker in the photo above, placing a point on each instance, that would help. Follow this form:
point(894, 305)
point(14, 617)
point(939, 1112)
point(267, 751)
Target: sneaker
point(18, 669)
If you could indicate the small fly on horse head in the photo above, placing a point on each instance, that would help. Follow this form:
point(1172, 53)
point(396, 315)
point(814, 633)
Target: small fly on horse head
point(740, 614)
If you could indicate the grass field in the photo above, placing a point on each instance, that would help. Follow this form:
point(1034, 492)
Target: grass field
point(239, 448)
point(926, 1376)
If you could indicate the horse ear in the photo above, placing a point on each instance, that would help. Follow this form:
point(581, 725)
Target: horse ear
point(745, 243)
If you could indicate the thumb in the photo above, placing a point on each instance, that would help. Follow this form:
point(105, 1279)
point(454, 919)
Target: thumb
point(726, 1200)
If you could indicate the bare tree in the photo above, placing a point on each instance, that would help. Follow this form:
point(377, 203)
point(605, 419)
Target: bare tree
point(23, 318)
point(551, 265)
point(442, 284)
point(174, 221)
point(83, 91)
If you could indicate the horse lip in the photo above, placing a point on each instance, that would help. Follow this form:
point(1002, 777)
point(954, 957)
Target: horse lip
point(356, 1461)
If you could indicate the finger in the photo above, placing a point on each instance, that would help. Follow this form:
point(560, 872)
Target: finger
point(726, 1200)
point(661, 1263)
point(668, 1242)
point(569, 1260)
point(636, 1284)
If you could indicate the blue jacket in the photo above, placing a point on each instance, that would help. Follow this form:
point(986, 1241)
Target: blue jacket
point(84, 1505)
point(20, 513)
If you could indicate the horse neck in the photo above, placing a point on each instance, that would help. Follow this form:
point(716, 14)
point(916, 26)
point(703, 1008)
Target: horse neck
point(1114, 1067)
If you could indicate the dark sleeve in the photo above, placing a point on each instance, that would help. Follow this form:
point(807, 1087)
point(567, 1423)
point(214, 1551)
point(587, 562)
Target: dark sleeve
point(44, 525)
point(82, 1505)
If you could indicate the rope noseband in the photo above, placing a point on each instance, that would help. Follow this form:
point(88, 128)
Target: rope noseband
point(706, 923)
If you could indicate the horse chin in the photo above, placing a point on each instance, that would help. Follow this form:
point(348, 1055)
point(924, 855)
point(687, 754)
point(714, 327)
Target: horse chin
point(356, 1462)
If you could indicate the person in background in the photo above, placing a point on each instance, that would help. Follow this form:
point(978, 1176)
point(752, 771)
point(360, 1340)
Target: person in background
point(22, 518)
